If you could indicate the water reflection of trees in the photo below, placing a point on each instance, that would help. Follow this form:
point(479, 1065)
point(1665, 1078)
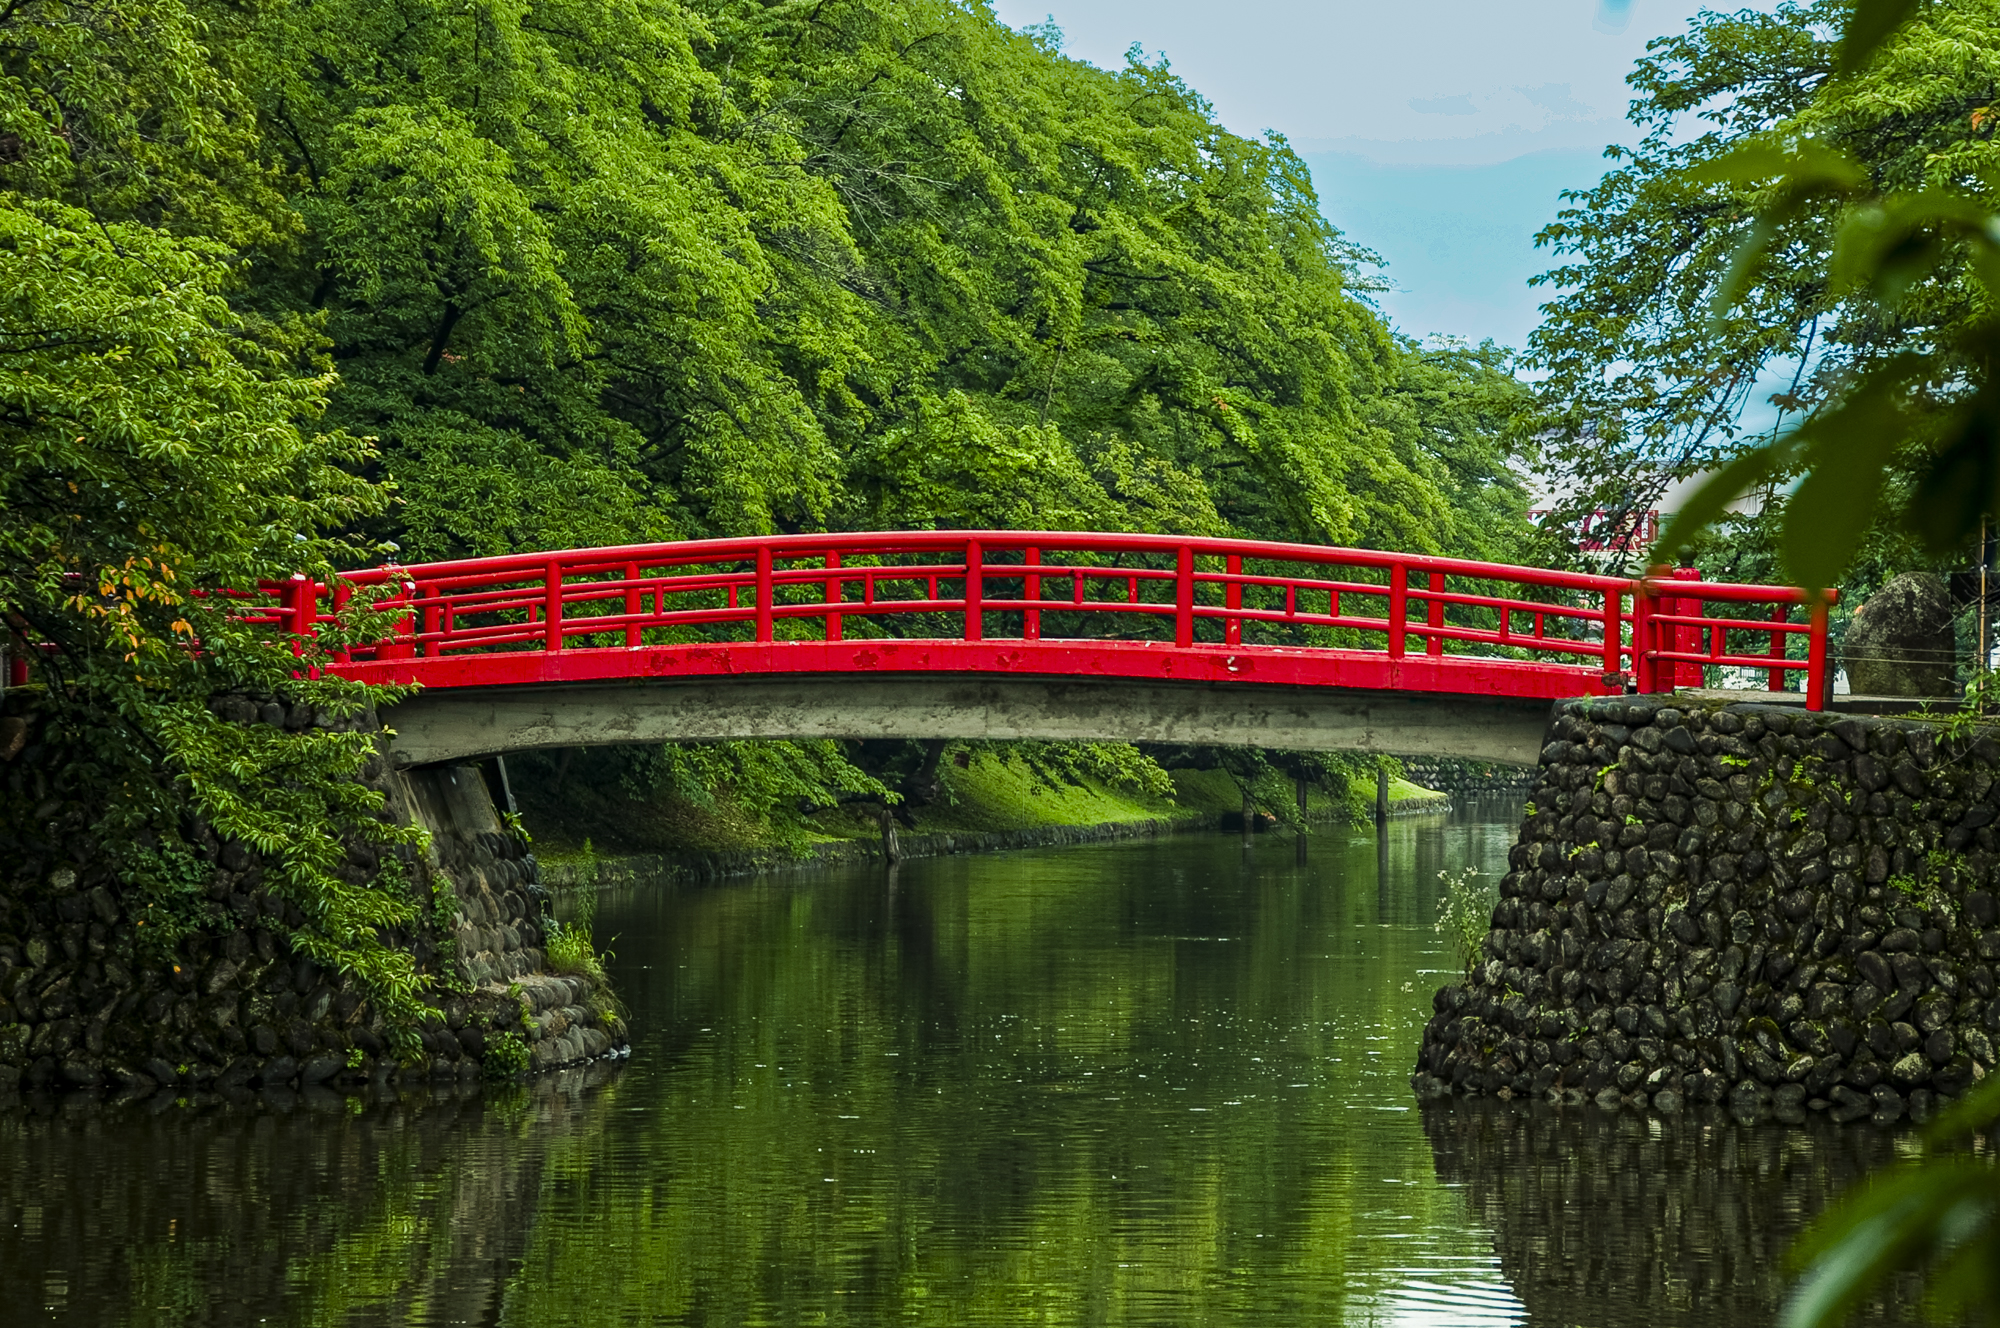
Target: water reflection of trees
point(1612, 1217)
point(321, 1210)
point(1120, 1088)
point(1068, 1095)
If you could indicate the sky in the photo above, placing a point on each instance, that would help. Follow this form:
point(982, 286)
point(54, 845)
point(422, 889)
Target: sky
point(1439, 134)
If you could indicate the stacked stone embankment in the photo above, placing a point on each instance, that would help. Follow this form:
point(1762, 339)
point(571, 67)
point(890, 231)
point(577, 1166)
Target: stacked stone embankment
point(1448, 774)
point(88, 1000)
point(1739, 904)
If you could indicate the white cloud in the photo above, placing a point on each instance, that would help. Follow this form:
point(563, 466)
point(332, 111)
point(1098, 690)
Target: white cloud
point(1459, 105)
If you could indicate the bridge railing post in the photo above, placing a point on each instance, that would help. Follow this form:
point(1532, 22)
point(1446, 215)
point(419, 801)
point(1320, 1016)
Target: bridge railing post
point(975, 626)
point(293, 608)
point(552, 610)
point(1645, 633)
point(1686, 636)
point(302, 608)
point(835, 593)
point(1031, 590)
point(1399, 608)
point(1184, 596)
point(1776, 650)
point(1819, 683)
point(1435, 616)
point(764, 592)
point(1232, 599)
point(633, 603)
point(1614, 644)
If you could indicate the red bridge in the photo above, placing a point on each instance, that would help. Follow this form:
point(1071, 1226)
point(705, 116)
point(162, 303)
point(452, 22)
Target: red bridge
point(1251, 641)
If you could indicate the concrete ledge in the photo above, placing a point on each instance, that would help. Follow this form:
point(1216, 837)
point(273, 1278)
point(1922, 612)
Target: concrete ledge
point(1844, 703)
point(452, 725)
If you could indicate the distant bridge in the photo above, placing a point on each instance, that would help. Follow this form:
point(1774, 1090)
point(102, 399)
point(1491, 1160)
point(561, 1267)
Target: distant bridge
point(1023, 634)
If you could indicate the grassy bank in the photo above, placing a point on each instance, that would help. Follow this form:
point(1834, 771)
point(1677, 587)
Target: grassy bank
point(989, 799)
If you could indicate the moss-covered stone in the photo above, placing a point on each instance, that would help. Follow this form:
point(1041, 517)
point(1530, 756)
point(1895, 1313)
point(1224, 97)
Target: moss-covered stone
point(1784, 911)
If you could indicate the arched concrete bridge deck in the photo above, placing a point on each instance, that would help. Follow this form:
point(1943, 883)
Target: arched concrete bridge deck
point(455, 725)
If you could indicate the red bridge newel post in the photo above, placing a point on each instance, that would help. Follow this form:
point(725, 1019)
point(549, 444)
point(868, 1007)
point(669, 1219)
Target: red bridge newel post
point(302, 594)
point(1642, 631)
point(1818, 683)
point(1399, 608)
point(552, 613)
point(763, 609)
point(1687, 636)
point(1184, 596)
point(975, 627)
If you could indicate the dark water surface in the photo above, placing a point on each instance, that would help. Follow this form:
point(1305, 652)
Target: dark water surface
point(1162, 1083)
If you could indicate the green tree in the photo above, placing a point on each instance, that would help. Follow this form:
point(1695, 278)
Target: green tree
point(158, 449)
point(1824, 227)
point(596, 275)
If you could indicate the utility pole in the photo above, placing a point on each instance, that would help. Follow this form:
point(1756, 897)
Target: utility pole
point(1985, 651)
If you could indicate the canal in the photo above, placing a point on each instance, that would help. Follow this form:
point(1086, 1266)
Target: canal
point(1154, 1083)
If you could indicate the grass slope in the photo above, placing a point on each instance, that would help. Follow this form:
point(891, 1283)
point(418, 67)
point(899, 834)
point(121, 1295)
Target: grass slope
point(990, 792)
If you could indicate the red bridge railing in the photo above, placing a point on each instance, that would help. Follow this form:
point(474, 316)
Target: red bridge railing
point(1022, 598)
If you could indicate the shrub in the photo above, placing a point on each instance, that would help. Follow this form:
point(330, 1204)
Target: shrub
point(1465, 913)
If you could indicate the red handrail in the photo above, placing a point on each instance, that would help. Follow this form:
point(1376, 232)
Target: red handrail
point(1059, 591)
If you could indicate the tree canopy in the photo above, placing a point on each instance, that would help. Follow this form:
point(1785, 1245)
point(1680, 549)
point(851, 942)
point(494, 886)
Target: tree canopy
point(650, 270)
point(1696, 291)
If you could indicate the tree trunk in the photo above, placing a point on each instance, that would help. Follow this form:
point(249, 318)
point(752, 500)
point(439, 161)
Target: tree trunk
point(892, 850)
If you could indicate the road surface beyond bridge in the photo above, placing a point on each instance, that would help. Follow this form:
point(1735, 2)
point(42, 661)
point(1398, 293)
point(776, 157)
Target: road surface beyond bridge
point(1019, 634)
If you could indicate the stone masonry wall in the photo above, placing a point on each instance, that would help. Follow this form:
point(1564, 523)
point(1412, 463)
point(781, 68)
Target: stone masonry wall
point(502, 922)
point(1740, 904)
point(1449, 775)
point(86, 1003)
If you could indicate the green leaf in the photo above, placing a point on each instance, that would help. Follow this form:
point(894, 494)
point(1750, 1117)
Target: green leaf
point(1871, 24)
point(1809, 171)
point(1743, 267)
point(1961, 484)
point(1805, 166)
point(1886, 246)
point(1873, 1232)
point(1707, 504)
point(1847, 450)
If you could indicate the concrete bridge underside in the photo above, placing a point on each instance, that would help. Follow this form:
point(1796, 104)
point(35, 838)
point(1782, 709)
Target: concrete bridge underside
point(455, 724)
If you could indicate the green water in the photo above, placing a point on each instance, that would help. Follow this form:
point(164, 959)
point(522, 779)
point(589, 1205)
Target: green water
point(1154, 1083)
